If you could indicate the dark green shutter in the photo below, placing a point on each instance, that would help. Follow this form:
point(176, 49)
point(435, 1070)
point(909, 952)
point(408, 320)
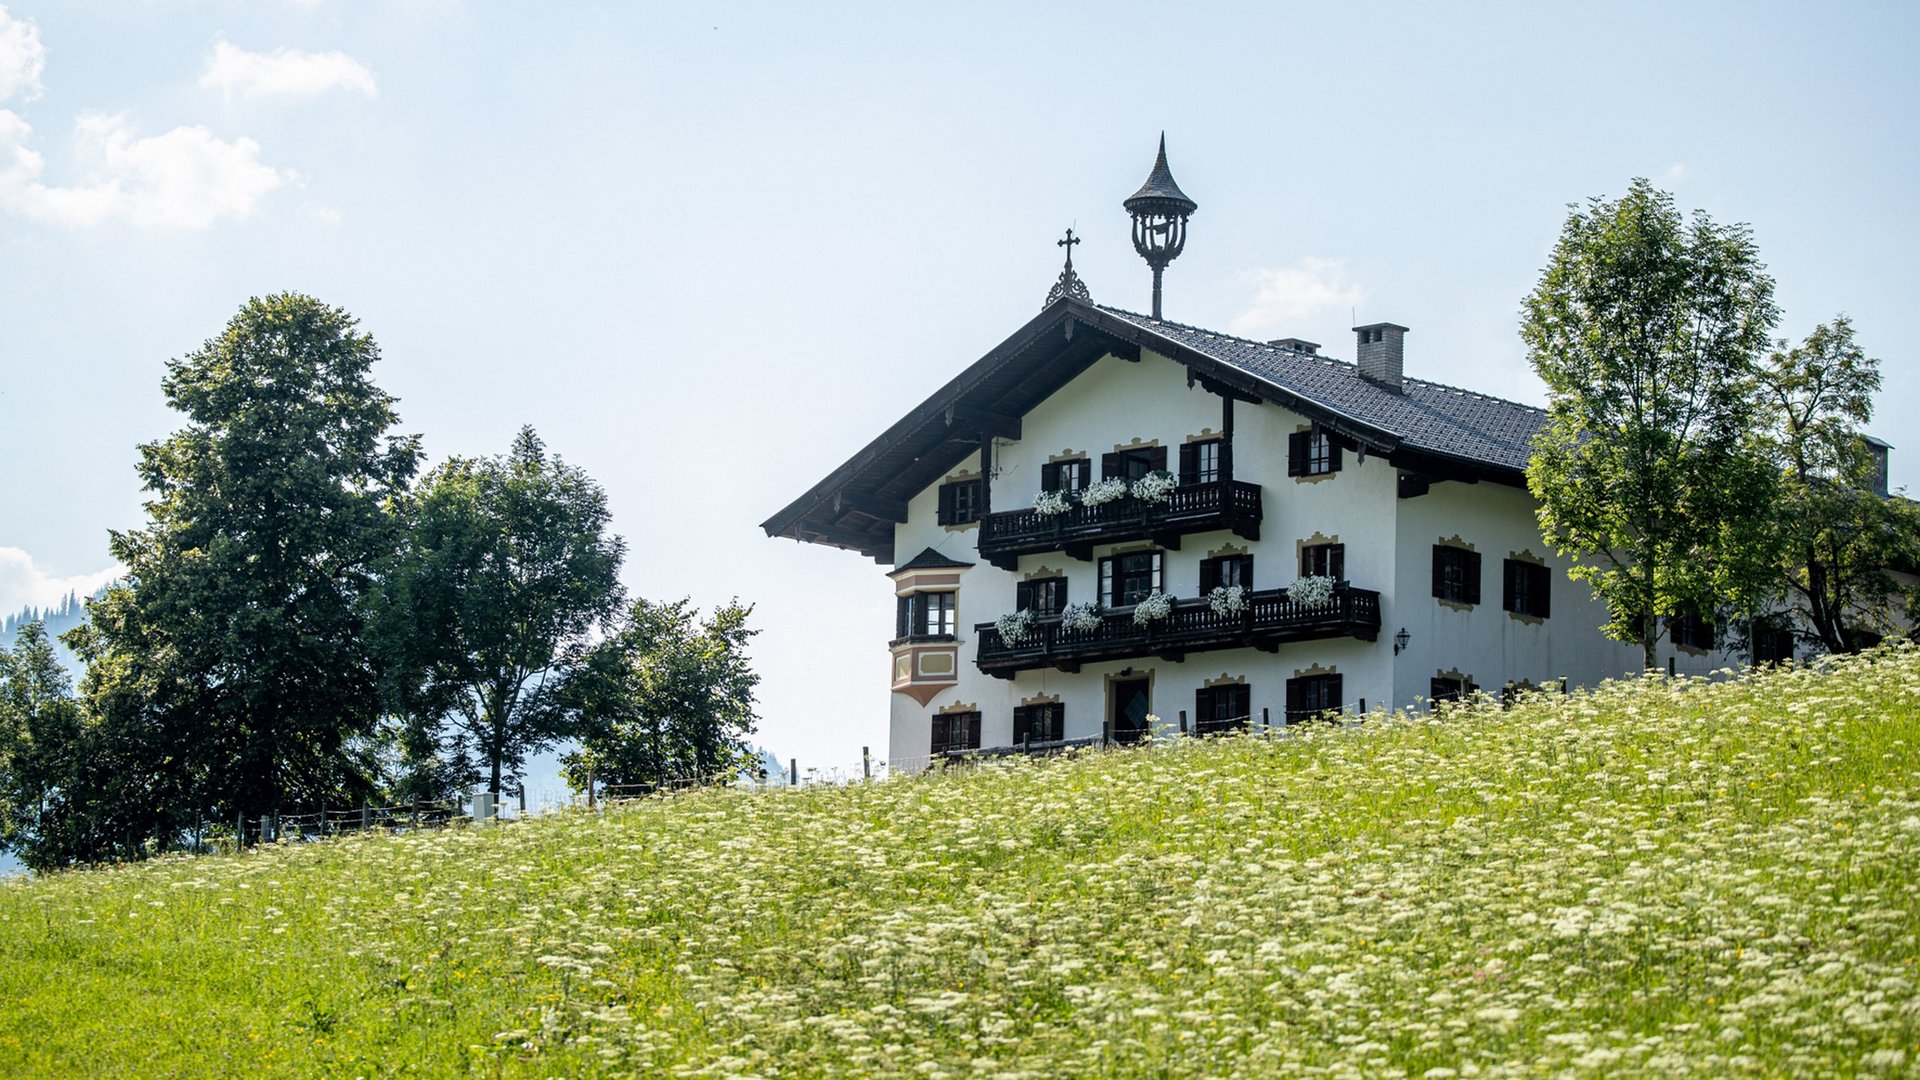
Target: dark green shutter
point(1190, 463)
point(1297, 449)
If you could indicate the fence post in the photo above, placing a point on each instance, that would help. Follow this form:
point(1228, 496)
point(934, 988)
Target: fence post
point(266, 824)
point(590, 803)
point(1183, 721)
point(866, 762)
point(793, 772)
point(366, 817)
point(1363, 707)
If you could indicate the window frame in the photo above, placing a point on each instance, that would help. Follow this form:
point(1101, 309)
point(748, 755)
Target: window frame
point(1214, 572)
point(1122, 463)
point(959, 502)
point(1070, 475)
point(1462, 587)
point(1227, 707)
point(1441, 688)
point(1200, 462)
point(1052, 715)
point(1526, 589)
point(914, 616)
point(1053, 588)
point(1324, 560)
point(1310, 697)
point(1312, 453)
point(1685, 631)
point(943, 730)
point(1110, 578)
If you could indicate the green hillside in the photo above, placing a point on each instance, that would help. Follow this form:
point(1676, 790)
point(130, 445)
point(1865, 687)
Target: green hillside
point(1655, 879)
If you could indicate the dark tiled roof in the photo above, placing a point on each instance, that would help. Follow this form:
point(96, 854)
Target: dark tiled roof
point(1428, 416)
point(929, 559)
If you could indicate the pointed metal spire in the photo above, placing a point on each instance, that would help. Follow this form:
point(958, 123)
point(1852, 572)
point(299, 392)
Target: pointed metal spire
point(1160, 210)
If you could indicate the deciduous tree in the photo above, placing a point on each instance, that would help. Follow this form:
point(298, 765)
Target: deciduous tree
point(1839, 538)
point(668, 698)
point(231, 666)
point(508, 572)
point(1646, 327)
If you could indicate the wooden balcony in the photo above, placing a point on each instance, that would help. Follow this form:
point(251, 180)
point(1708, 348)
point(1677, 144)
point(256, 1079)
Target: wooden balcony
point(1271, 620)
point(1006, 536)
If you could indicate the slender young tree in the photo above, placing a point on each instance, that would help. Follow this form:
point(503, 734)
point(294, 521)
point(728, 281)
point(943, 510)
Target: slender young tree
point(667, 698)
point(508, 573)
point(231, 667)
point(1646, 327)
point(1839, 538)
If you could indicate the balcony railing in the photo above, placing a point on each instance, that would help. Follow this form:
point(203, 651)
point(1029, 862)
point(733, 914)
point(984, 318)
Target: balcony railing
point(1006, 536)
point(1271, 620)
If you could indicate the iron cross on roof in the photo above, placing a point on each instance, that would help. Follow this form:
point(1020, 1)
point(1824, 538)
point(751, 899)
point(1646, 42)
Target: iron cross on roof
point(1069, 284)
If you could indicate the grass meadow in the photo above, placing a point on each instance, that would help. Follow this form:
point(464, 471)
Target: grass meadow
point(1657, 878)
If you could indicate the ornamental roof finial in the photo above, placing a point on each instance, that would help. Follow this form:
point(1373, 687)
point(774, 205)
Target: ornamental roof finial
point(1160, 211)
point(1069, 284)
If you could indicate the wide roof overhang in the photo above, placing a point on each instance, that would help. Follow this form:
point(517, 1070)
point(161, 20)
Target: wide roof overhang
point(858, 504)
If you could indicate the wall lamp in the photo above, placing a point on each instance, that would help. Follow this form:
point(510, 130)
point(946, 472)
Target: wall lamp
point(1400, 641)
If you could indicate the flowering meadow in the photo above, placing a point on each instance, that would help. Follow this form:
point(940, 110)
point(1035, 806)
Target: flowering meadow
point(1658, 878)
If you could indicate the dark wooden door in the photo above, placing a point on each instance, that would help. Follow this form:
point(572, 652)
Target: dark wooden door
point(1127, 722)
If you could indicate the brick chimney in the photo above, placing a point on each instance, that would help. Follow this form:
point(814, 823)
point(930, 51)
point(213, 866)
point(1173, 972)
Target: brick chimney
point(1381, 353)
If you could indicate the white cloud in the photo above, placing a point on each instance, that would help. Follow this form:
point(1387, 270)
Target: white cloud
point(22, 57)
point(184, 179)
point(23, 583)
point(235, 72)
point(1287, 296)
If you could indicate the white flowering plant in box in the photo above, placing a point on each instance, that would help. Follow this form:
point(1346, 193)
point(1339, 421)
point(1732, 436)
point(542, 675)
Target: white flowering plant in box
point(1051, 503)
point(1015, 627)
point(1228, 599)
point(1152, 608)
point(1155, 487)
point(1312, 590)
point(1104, 491)
point(1083, 616)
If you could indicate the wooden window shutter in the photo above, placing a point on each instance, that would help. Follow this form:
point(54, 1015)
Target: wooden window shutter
point(1510, 585)
point(1297, 447)
point(1209, 575)
point(1336, 561)
point(1157, 458)
point(973, 731)
point(1242, 701)
point(1202, 706)
point(1246, 571)
point(939, 743)
point(1333, 456)
point(947, 496)
point(1112, 465)
point(903, 620)
point(1190, 463)
point(1471, 563)
point(1022, 724)
point(1050, 476)
point(1296, 698)
point(1439, 571)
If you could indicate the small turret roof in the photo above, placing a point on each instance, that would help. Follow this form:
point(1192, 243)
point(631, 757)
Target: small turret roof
point(1160, 183)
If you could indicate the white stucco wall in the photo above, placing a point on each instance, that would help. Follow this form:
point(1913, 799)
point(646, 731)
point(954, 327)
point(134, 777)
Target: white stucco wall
point(1388, 548)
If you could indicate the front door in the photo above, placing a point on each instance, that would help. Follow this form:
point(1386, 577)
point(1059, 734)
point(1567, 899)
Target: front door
point(1127, 720)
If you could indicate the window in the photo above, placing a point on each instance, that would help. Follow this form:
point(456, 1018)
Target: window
point(1039, 723)
point(1772, 642)
point(1311, 453)
point(1127, 579)
point(955, 732)
point(1225, 571)
point(960, 502)
point(926, 614)
point(1526, 589)
point(1200, 462)
point(1045, 596)
point(1690, 631)
point(1131, 465)
point(1071, 475)
point(1324, 560)
point(1445, 689)
point(1221, 708)
point(1311, 695)
point(1456, 574)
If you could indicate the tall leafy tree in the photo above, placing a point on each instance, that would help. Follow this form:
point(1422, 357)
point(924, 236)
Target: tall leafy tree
point(43, 752)
point(231, 666)
point(508, 573)
point(1646, 327)
point(669, 697)
point(1839, 538)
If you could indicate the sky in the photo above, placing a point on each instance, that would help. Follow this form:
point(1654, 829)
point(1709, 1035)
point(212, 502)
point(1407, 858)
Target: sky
point(709, 250)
